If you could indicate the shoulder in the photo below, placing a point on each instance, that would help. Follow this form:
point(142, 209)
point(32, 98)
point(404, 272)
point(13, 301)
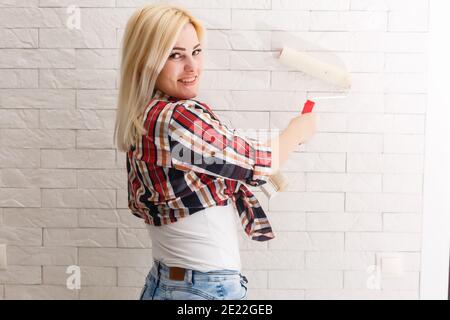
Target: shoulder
point(189, 107)
point(187, 104)
point(163, 111)
point(195, 107)
point(158, 110)
point(182, 104)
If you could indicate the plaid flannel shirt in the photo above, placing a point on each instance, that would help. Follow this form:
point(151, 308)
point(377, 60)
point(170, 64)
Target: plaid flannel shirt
point(189, 161)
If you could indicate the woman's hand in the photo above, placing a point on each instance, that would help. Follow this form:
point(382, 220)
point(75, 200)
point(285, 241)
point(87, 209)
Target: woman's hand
point(300, 130)
point(304, 127)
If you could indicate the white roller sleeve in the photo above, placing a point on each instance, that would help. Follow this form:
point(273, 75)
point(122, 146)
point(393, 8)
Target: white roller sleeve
point(315, 68)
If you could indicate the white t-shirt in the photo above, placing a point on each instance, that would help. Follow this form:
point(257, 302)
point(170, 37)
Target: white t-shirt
point(204, 241)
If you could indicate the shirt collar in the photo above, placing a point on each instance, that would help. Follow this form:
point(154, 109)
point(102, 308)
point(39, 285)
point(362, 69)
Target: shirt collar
point(160, 95)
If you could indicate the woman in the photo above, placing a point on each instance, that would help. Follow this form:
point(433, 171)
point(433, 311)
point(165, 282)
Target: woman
point(188, 172)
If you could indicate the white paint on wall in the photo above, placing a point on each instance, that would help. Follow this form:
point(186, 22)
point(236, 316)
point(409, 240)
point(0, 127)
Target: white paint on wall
point(436, 212)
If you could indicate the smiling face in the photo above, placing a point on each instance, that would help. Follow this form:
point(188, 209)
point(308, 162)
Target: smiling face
point(185, 63)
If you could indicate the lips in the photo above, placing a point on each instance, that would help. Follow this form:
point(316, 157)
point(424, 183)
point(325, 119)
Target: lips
point(189, 81)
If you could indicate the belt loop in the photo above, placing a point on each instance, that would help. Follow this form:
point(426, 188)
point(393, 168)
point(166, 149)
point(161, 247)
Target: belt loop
point(190, 276)
point(159, 269)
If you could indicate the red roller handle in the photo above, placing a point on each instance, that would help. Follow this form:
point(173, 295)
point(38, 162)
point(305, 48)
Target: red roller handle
point(308, 106)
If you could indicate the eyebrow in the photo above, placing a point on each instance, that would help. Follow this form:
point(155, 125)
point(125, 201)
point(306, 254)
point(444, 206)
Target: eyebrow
point(184, 49)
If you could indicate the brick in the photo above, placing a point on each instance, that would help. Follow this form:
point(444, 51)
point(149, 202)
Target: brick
point(108, 179)
point(311, 5)
point(275, 294)
point(37, 138)
point(305, 279)
point(32, 256)
point(88, 37)
point(115, 257)
point(343, 182)
point(21, 236)
point(132, 277)
point(318, 162)
point(87, 159)
point(270, 20)
point(343, 222)
point(31, 17)
point(40, 217)
point(402, 222)
point(306, 201)
point(90, 276)
point(287, 221)
point(348, 21)
point(403, 143)
point(37, 98)
point(37, 58)
point(109, 218)
point(376, 202)
point(18, 38)
point(19, 158)
point(339, 260)
point(20, 197)
point(78, 237)
point(78, 198)
point(360, 294)
point(382, 241)
point(406, 103)
point(39, 292)
point(44, 178)
point(403, 183)
point(310, 241)
point(109, 293)
point(96, 99)
point(234, 80)
point(214, 18)
point(409, 20)
point(19, 118)
point(94, 139)
point(386, 163)
point(21, 275)
point(18, 78)
point(80, 3)
point(254, 260)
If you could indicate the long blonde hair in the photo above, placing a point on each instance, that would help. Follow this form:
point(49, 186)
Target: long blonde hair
point(149, 37)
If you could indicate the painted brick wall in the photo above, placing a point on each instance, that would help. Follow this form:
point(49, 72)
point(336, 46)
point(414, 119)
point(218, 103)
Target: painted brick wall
point(356, 189)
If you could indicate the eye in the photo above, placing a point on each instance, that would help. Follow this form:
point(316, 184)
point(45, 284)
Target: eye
point(174, 54)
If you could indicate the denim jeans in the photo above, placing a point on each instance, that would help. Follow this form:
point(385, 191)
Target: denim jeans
point(213, 285)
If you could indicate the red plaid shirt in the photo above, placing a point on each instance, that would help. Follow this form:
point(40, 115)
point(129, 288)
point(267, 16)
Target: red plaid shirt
point(189, 161)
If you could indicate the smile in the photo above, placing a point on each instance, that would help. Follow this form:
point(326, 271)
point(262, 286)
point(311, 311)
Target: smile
point(189, 83)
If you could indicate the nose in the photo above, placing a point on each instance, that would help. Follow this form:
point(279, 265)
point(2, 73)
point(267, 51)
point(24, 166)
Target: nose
point(190, 65)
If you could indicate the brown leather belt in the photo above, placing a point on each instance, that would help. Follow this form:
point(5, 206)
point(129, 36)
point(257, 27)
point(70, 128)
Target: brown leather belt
point(176, 273)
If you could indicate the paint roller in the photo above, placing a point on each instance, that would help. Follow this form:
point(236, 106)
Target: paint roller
point(316, 68)
point(319, 69)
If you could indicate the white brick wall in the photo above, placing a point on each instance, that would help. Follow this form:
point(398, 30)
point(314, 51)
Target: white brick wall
point(355, 191)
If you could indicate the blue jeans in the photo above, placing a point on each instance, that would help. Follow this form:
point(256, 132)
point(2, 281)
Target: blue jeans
point(213, 285)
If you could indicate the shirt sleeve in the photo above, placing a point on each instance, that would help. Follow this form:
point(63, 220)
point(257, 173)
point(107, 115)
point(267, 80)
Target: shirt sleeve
point(200, 142)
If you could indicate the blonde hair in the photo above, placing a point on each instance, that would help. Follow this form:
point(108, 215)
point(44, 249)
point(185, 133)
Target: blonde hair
point(149, 37)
